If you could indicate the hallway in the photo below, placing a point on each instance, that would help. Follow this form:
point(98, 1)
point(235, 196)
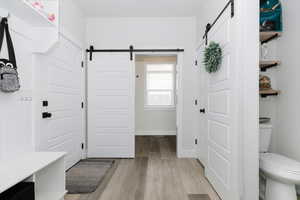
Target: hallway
point(156, 174)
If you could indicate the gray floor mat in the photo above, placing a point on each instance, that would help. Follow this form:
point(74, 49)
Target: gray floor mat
point(86, 175)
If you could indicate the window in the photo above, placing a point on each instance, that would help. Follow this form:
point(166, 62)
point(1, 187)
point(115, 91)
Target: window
point(160, 85)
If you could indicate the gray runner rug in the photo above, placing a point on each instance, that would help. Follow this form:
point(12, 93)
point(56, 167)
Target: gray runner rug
point(87, 175)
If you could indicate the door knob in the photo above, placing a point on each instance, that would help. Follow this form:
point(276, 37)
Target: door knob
point(202, 110)
point(46, 115)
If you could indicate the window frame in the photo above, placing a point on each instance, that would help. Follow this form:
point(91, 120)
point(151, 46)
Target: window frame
point(173, 91)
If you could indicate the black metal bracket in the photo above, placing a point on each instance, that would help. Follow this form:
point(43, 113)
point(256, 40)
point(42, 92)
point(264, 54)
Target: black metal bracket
point(270, 38)
point(232, 8)
point(266, 95)
point(209, 26)
point(264, 68)
point(131, 52)
point(91, 50)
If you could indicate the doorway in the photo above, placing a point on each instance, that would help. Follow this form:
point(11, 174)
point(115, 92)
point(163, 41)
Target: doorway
point(156, 98)
point(111, 81)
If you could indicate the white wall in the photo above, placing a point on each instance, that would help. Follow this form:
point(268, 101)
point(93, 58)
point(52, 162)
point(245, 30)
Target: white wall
point(288, 126)
point(268, 106)
point(152, 121)
point(16, 136)
point(72, 21)
point(153, 33)
point(16, 119)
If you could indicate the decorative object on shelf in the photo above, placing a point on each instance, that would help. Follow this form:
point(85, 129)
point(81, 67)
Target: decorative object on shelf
point(39, 6)
point(264, 83)
point(265, 88)
point(9, 79)
point(51, 17)
point(212, 57)
point(264, 50)
point(270, 15)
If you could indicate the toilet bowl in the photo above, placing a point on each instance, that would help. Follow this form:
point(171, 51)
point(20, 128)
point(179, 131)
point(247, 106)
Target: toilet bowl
point(282, 174)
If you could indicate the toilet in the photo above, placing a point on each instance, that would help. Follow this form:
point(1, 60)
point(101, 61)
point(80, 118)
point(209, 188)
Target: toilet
point(282, 174)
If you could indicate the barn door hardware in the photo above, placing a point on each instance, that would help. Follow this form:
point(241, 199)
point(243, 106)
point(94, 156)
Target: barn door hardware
point(46, 115)
point(209, 26)
point(131, 50)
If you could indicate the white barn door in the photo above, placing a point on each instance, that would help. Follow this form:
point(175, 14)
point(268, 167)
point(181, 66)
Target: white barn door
point(220, 117)
point(59, 86)
point(111, 106)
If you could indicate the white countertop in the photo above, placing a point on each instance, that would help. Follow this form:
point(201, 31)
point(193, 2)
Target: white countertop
point(16, 170)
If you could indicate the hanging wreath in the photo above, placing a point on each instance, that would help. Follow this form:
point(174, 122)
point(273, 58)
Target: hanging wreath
point(212, 57)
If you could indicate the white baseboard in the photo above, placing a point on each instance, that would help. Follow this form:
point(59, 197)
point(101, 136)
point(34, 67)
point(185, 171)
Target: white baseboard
point(155, 133)
point(186, 153)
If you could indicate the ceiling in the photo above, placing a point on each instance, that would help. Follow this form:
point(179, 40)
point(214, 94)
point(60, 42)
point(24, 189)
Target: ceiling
point(140, 8)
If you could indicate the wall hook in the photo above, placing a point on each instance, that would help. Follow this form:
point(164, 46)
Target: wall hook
point(8, 16)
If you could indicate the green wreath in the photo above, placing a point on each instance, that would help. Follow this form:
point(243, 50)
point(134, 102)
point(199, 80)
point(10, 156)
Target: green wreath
point(212, 57)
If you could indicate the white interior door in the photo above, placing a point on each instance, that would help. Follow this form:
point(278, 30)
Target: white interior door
point(58, 80)
point(201, 99)
point(220, 128)
point(111, 106)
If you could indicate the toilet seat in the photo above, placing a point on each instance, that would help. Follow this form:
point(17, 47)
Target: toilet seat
point(280, 167)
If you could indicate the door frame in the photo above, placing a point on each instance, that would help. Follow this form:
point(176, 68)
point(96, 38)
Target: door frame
point(179, 99)
point(41, 94)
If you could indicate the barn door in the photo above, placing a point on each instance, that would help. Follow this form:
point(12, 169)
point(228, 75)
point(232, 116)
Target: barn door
point(111, 106)
point(220, 115)
point(59, 116)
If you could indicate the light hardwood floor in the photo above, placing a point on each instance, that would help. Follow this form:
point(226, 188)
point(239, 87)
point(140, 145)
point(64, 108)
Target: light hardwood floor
point(155, 174)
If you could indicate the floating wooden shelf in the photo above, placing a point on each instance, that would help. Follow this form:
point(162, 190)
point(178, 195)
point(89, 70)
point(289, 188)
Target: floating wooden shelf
point(264, 65)
point(268, 36)
point(271, 92)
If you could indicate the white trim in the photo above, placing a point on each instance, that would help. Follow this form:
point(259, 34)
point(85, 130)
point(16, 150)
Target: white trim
point(155, 133)
point(187, 153)
point(179, 101)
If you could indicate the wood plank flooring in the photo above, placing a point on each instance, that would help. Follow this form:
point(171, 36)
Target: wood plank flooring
point(155, 174)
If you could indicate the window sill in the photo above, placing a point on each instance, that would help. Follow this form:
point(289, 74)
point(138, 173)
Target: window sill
point(158, 108)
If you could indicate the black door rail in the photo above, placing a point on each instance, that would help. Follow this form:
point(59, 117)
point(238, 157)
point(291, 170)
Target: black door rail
point(131, 50)
point(209, 26)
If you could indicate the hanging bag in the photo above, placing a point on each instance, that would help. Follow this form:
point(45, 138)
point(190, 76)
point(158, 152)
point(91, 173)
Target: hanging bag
point(9, 79)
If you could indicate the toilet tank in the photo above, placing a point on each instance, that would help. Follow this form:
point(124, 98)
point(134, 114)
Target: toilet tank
point(265, 133)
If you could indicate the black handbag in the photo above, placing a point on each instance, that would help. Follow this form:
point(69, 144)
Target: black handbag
point(9, 79)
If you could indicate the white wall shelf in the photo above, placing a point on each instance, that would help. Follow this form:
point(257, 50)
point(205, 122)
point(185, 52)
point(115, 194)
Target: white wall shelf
point(45, 169)
point(42, 27)
point(24, 10)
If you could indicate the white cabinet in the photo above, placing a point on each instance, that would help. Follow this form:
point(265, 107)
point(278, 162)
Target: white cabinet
point(46, 170)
